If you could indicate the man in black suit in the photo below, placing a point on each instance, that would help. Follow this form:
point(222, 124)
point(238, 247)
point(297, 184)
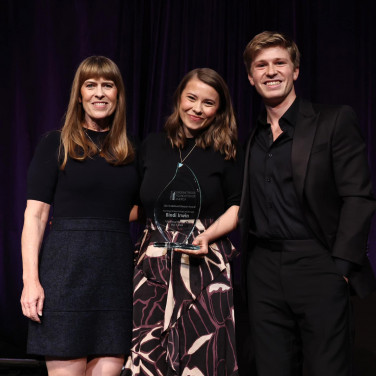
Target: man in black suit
point(304, 216)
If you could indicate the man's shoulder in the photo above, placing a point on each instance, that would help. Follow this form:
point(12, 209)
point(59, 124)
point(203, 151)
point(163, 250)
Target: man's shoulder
point(324, 108)
point(331, 117)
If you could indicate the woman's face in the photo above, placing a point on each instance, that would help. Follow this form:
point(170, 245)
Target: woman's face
point(199, 103)
point(98, 98)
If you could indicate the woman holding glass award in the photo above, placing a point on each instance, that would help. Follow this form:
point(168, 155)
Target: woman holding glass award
point(183, 315)
point(78, 286)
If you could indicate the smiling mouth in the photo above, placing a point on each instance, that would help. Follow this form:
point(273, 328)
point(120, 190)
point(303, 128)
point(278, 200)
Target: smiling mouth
point(273, 83)
point(195, 118)
point(99, 104)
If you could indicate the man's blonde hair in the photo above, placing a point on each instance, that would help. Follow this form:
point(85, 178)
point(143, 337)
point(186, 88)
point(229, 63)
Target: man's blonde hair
point(268, 39)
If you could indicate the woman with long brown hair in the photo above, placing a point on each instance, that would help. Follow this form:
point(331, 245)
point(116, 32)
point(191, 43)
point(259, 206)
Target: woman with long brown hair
point(77, 284)
point(183, 314)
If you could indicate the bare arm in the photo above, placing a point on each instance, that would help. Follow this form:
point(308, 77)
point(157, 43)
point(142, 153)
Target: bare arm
point(222, 226)
point(137, 214)
point(32, 298)
point(134, 214)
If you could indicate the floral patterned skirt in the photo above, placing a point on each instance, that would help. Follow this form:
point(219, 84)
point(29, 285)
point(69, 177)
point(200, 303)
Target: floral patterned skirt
point(183, 312)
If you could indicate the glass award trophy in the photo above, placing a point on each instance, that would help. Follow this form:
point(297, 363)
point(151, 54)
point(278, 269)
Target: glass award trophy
point(177, 209)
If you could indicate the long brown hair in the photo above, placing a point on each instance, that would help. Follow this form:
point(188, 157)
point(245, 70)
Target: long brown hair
point(222, 132)
point(116, 148)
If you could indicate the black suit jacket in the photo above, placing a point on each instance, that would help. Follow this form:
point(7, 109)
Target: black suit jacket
point(332, 181)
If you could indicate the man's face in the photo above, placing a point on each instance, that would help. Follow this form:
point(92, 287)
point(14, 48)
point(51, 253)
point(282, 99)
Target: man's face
point(273, 74)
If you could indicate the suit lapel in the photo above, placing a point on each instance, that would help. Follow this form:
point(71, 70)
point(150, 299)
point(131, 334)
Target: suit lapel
point(304, 134)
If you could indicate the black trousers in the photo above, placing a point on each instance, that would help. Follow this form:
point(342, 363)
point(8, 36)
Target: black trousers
point(299, 310)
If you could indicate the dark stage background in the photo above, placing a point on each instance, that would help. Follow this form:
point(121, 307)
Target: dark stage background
point(155, 42)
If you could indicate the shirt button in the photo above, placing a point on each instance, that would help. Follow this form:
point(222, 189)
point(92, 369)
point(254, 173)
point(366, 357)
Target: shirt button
point(268, 180)
point(270, 155)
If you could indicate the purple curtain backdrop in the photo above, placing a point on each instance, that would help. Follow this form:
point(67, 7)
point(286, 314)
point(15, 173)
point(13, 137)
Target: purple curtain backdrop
point(155, 42)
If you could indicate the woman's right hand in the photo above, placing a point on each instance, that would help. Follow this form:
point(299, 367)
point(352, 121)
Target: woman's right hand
point(32, 300)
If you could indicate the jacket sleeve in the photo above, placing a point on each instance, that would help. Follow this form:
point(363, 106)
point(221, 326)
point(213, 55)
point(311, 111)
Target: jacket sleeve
point(352, 178)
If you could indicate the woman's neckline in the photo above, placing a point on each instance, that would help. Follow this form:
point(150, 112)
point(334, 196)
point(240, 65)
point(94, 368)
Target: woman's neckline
point(95, 131)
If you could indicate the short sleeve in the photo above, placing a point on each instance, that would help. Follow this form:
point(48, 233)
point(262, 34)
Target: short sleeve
point(233, 178)
point(152, 142)
point(136, 146)
point(44, 169)
point(141, 158)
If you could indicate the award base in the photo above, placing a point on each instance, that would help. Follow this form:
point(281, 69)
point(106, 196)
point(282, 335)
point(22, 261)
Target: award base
point(170, 245)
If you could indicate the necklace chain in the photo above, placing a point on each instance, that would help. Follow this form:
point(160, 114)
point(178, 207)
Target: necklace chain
point(182, 160)
point(87, 134)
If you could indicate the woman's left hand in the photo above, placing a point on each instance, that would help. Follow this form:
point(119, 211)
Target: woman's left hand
point(202, 241)
point(222, 226)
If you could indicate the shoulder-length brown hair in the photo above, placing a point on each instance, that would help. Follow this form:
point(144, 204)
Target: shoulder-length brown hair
point(222, 132)
point(116, 148)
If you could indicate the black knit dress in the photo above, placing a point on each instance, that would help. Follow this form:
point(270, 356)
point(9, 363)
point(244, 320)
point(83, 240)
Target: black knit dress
point(86, 262)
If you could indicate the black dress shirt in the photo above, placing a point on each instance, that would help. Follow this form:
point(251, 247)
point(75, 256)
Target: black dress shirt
point(276, 210)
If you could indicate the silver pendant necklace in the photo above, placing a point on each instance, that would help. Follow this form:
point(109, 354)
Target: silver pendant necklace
point(87, 134)
point(182, 160)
